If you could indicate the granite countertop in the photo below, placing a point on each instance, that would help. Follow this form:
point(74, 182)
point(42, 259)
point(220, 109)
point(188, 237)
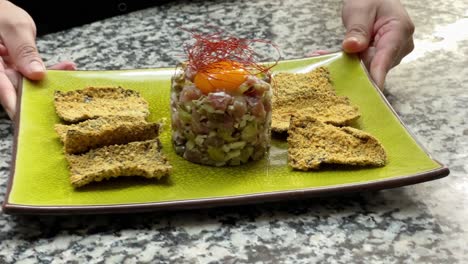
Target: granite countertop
point(423, 223)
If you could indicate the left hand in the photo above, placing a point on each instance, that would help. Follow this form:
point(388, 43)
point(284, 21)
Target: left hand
point(12, 77)
point(381, 31)
point(18, 54)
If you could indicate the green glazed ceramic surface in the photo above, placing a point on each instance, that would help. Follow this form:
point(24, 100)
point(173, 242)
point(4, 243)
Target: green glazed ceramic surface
point(41, 176)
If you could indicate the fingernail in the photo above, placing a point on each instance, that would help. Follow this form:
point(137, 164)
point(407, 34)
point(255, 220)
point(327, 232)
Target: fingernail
point(379, 79)
point(356, 39)
point(352, 39)
point(72, 66)
point(36, 66)
point(10, 107)
point(10, 113)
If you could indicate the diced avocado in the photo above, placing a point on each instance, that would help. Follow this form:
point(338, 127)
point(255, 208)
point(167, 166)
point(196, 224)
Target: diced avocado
point(190, 144)
point(243, 88)
point(250, 131)
point(208, 108)
point(237, 145)
point(246, 153)
point(200, 139)
point(184, 116)
point(232, 154)
point(226, 134)
point(235, 161)
point(226, 148)
point(216, 154)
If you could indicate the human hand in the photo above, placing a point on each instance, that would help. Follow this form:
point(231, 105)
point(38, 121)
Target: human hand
point(18, 54)
point(381, 31)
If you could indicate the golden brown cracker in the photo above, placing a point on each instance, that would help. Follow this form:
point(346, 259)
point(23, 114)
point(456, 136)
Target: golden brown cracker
point(94, 102)
point(309, 93)
point(143, 158)
point(290, 86)
point(330, 109)
point(104, 131)
point(311, 143)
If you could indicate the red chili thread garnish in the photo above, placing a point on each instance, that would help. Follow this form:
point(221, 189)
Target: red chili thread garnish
point(210, 48)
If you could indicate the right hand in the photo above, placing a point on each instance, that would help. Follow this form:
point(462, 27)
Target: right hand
point(18, 54)
point(381, 31)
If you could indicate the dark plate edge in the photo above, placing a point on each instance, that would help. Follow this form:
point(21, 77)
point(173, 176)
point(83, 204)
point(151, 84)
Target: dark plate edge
point(231, 200)
point(9, 208)
point(16, 123)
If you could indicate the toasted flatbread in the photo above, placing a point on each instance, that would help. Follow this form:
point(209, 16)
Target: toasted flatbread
point(309, 93)
point(104, 131)
point(143, 158)
point(311, 143)
point(330, 109)
point(94, 102)
point(290, 86)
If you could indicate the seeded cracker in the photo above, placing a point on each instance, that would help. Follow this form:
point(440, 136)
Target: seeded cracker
point(309, 93)
point(290, 86)
point(104, 131)
point(134, 159)
point(311, 143)
point(334, 110)
point(93, 102)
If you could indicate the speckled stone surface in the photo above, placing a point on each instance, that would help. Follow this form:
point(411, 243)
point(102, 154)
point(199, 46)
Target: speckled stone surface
point(424, 223)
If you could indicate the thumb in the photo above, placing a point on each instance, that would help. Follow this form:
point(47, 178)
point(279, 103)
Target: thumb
point(28, 61)
point(22, 49)
point(358, 19)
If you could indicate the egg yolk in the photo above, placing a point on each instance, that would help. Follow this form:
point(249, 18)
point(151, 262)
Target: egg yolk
point(221, 76)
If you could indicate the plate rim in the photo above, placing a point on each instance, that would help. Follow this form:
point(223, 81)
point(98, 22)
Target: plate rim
point(235, 200)
point(374, 185)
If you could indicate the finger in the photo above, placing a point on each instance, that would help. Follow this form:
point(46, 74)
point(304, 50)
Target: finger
point(358, 19)
point(3, 50)
point(382, 62)
point(20, 43)
point(405, 50)
point(397, 34)
point(317, 53)
point(7, 94)
point(380, 65)
point(387, 55)
point(64, 65)
point(367, 56)
point(14, 77)
point(7, 61)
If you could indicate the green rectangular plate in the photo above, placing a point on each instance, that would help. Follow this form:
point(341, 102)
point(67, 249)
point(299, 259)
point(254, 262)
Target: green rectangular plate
point(39, 180)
